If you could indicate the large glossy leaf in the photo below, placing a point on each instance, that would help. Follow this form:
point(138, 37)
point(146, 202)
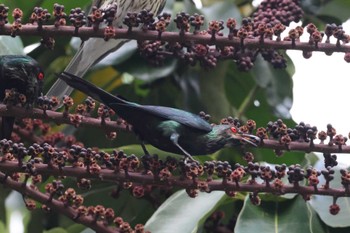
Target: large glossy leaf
point(77, 228)
point(180, 213)
point(145, 71)
point(320, 12)
point(56, 230)
point(338, 9)
point(275, 87)
point(219, 11)
point(240, 86)
point(119, 56)
point(2, 227)
point(338, 230)
point(289, 216)
point(321, 203)
point(4, 213)
point(199, 93)
point(278, 86)
point(5, 217)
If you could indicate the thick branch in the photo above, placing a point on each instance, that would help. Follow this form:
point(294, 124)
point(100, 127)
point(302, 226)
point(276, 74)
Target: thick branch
point(139, 34)
point(58, 118)
point(139, 177)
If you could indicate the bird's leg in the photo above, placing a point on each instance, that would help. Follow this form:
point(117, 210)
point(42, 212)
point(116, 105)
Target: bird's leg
point(146, 158)
point(144, 148)
point(175, 139)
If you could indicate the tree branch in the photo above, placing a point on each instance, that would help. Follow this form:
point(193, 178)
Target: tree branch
point(86, 121)
point(139, 177)
point(59, 118)
point(139, 34)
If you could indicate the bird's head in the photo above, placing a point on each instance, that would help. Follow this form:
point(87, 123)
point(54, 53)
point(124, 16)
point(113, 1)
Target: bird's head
point(24, 74)
point(236, 137)
point(35, 78)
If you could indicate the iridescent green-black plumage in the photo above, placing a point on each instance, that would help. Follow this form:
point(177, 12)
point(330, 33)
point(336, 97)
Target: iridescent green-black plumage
point(24, 74)
point(168, 129)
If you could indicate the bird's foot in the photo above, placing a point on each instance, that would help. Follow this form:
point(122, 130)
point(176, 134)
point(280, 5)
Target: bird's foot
point(189, 159)
point(147, 160)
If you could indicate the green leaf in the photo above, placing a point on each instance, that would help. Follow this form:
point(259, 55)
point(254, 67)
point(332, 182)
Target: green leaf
point(338, 9)
point(68, 4)
point(3, 227)
point(199, 93)
point(278, 85)
point(239, 85)
point(289, 216)
point(75, 228)
point(180, 213)
point(119, 56)
point(218, 11)
point(321, 203)
point(56, 230)
point(4, 213)
point(338, 230)
point(213, 96)
point(11, 46)
point(145, 71)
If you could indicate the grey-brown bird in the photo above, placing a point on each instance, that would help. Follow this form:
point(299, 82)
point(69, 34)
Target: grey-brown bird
point(94, 49)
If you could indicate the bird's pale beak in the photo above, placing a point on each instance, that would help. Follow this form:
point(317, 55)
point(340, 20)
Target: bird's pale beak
point(249, 139)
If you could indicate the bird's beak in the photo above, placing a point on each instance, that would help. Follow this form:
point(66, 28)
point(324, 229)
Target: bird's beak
point(248, 139)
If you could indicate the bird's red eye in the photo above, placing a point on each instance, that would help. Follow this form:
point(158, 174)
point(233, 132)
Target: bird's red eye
point(41, 76)
point(234, 129)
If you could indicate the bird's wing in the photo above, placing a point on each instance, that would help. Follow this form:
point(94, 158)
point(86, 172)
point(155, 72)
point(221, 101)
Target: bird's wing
point(165, 113)
point(178, 115)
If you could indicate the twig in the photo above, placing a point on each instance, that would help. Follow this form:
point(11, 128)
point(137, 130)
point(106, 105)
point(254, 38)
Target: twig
point(56, 205)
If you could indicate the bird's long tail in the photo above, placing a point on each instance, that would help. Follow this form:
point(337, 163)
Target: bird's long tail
point(90, 52)
point(89, 89)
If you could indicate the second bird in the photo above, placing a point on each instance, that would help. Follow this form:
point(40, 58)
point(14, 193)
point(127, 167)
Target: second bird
point(169, 129)
point(23, 74)
point(94, 49)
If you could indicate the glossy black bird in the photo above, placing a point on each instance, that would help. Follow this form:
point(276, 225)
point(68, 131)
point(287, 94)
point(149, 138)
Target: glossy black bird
point(23, 74)
point(168, 129)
